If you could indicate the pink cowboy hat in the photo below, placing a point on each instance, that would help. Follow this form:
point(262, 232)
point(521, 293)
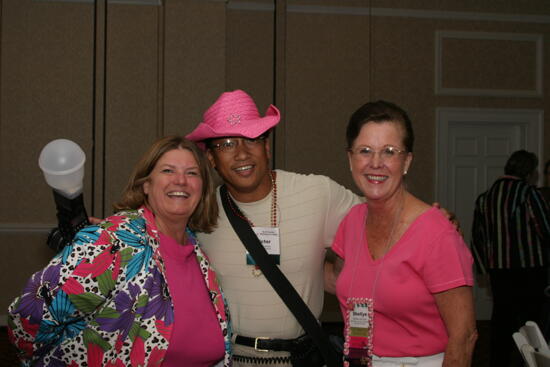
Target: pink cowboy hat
point(234, 114)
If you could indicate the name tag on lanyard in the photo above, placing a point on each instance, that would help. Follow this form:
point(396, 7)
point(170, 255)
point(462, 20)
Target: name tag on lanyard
point(358, 332)
point(269, 238)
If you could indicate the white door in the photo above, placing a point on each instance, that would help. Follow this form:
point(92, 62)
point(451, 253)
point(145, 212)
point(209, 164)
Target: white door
point(473, 146)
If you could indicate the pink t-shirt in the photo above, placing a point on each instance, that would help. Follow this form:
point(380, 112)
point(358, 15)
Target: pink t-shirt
point(430, 257)
point(197, 338)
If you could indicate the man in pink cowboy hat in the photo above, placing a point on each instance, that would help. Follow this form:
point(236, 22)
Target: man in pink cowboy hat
point(302, 211)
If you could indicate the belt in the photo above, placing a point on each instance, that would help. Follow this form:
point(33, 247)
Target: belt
point(261, 360)
point(264, 344)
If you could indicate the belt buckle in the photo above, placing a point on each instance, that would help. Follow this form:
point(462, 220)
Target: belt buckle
point(256, 344)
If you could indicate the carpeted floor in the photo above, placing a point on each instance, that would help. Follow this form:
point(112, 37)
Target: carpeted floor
point(8, 356)
point(481, 353)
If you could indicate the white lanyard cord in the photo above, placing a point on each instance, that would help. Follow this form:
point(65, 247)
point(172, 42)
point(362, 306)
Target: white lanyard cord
point(386, 249)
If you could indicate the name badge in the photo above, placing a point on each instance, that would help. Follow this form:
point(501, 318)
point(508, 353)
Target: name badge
point(359, 320)
point(358, 332)
point(269, 238)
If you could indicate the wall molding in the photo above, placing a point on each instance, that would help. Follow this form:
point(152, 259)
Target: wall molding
point(351, 10)
point(250, 6)
point(537, 39)
point(26, 227)
point(395, 12)
point(136, 2)
point(461, 15)
point(126, 2)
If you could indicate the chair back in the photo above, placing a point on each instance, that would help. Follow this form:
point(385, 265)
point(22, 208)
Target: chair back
point(525, 349)
point(533, 334)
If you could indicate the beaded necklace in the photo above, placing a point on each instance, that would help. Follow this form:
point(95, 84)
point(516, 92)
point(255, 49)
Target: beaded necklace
point(256, 270)
point(239, 213)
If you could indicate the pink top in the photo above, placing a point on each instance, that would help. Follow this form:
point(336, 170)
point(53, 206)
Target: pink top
point(197, 338)
point(430, 257)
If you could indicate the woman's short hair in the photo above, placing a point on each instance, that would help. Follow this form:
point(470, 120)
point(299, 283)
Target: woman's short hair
point(205, 216)
point(380, 111)
point(521, 164)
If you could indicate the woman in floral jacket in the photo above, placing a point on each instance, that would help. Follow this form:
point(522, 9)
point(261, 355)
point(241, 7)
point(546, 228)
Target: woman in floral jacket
point(136, 289)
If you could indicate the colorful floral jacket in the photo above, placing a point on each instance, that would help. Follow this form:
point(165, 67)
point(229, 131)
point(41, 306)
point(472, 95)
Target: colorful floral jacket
point(104, 301)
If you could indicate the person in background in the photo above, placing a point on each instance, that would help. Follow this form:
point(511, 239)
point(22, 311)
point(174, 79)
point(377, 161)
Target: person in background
point(401, 271)
point(511, 241)
point(135, 289)
point(545, 190)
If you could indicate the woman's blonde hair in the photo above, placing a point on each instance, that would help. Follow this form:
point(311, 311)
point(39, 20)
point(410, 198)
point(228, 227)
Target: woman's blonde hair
point(205, 216)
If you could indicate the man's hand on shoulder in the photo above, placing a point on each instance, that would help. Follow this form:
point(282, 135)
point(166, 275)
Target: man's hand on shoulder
point(450, 216)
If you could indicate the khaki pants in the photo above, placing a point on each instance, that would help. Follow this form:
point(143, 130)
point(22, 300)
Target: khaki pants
point(435, 360)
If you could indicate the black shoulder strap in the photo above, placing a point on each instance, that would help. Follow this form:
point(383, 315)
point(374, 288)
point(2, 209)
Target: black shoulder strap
point(278, 281)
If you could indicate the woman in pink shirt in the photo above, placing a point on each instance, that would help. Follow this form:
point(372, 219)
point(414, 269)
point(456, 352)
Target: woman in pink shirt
point(402, 274)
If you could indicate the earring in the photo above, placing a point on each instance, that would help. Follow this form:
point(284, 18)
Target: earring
point(405, 172)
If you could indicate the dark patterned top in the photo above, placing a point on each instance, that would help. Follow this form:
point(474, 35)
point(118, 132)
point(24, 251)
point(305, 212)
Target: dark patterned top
point(104, 301)
point(511, 226)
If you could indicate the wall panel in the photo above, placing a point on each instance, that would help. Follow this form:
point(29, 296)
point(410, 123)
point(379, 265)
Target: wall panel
point(194, 61)
point(250, 52)
point(488, 64)
point(131, 94)
point(327, 77)
point(21, 255)
point(46, 90)
point(46, 93)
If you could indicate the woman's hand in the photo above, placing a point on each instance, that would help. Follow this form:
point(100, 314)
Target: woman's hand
point(94, 220)
point(456, 307)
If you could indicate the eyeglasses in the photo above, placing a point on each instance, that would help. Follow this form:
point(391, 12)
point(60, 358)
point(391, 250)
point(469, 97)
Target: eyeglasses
point(230, 144)
point(387, 153)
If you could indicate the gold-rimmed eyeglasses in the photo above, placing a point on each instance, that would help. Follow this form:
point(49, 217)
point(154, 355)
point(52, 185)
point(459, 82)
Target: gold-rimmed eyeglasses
point(367, 153)
point(229, 145)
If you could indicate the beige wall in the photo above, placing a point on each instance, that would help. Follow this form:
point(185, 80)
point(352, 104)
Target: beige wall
point(154, 70)
point(115, 82)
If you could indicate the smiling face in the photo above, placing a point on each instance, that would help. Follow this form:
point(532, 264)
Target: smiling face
point(245, 169)
point(379, 176)
point(174, 188)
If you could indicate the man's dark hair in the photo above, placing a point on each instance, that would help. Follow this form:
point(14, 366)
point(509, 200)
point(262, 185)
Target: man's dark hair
point(521, 164)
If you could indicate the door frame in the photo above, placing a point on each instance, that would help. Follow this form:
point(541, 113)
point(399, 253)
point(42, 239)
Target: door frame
point(531, 120)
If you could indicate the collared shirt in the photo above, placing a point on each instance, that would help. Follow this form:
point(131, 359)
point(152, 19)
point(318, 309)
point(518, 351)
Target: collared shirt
point(511, 226)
